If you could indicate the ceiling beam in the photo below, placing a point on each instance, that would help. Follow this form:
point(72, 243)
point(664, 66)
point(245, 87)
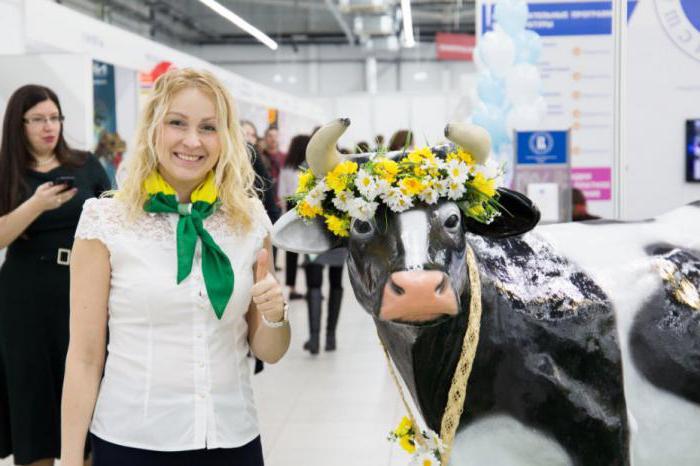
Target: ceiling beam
point(341, 21)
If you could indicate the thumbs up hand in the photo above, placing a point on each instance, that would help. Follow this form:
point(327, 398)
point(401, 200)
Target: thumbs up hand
point(267, 292)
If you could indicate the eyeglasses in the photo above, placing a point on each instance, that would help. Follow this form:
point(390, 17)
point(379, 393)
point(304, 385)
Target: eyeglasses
point(41, 121)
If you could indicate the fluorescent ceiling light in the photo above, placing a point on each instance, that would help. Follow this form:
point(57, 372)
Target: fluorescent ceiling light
point(241, 23)
point(409, 41)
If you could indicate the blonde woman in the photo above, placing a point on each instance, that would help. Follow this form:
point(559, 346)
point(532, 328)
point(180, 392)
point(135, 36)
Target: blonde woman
point(176, 265)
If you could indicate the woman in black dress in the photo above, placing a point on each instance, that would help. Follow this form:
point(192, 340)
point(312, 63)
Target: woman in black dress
point(43, 184)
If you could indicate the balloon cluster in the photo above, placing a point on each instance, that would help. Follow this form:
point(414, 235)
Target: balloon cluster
point(508, 85)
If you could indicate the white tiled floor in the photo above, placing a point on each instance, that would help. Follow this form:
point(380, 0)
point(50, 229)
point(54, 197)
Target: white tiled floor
point(334, 409)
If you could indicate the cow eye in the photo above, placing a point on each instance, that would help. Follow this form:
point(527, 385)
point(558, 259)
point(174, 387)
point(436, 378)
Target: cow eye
point(361, 227)
point(452, 221)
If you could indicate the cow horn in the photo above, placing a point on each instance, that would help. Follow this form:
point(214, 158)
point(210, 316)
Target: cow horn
point(473, 139)
point(321, 154)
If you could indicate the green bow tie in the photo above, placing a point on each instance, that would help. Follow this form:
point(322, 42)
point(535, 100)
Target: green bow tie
point(216, 266)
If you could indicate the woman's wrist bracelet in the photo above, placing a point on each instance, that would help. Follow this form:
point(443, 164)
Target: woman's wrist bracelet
point(279, 323)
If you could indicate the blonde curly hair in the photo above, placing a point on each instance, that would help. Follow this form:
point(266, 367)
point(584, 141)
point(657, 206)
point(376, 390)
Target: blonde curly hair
point(234, 175)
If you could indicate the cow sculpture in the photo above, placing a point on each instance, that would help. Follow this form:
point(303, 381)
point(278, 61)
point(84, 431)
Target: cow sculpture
point(589, 349)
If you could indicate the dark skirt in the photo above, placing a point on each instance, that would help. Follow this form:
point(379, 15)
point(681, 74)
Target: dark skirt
point(34, 312)
point(108, 454)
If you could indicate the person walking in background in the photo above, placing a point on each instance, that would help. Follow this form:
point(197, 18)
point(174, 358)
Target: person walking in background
point(288, 180)
point(313, 269)
point(43, 185)
point(401, 140)
point(579, 210)
point(263, 180)
point(250, 133)
point(177, 264)
point(274, 160)
point(274, 156)
point(362, 147)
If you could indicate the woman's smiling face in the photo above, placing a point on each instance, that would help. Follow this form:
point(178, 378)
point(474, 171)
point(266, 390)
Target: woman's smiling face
point(189, 141)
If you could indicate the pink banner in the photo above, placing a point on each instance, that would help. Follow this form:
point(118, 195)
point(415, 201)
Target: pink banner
point(594, 182)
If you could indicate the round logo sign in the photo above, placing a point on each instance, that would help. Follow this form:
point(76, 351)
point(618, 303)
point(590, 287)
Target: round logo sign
point(681, 20)
point(540, 143)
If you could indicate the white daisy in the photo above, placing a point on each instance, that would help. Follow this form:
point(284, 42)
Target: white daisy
point(367, 185)
point(442, 186)
point(458, 171)
point(455, 190)
point(390, 193)
point(316, 196)
point(383, 187)
point(400, 202)
point(424, 458)
point(342, 199)
point(361, 209)
point(430, 195)
point(490, 169)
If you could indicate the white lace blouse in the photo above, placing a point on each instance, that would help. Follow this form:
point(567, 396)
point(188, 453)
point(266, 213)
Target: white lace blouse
point(176, 378)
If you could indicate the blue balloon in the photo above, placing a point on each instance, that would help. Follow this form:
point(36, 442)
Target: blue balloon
point(528, 47)
point(493, 120)
point(491, 90)
point(511, 15)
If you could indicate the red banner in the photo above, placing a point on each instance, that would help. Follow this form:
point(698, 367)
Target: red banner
point(454, 46)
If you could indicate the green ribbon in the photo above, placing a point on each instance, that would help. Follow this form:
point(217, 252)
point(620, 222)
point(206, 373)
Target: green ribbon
point(216, 266)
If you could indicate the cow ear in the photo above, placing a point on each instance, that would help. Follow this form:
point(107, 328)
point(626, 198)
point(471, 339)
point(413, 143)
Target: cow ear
point(294, 234)
point(518, 215)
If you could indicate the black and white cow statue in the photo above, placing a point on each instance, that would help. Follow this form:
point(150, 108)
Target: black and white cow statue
point(590, 333)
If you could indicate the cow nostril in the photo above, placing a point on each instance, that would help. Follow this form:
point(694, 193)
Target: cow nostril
point(441, 286)
point(396, 288)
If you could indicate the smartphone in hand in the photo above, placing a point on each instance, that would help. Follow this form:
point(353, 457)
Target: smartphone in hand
point(68, 181)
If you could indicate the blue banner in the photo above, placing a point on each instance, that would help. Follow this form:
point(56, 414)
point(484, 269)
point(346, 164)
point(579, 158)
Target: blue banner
point(565, 19)
point(105, 117)
point(105, 105)
point(542, 147)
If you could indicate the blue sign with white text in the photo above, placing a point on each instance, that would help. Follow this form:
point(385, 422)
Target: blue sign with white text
point(565, 19)
point(542, 147)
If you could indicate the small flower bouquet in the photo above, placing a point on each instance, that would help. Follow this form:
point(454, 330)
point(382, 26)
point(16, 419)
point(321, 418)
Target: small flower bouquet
point(427, 450)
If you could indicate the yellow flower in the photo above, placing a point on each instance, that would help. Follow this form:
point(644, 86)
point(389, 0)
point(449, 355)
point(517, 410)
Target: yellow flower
point(336, 182)
point(460, 154)
point(338, 226)
point(484, 185)
point(345, 168)
point(407, 444)
point(477, 210)
point(427, 462)
point(411, 186)
point(306, 210)
point(339, 177)
point(404, 427)
point(386, 169)
point(418, 155)
point(306, 179)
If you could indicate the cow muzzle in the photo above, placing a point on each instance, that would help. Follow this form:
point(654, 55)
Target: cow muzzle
point(417, 296)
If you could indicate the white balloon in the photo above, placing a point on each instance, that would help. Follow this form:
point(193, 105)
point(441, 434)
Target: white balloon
point(522, 117)
point(523, 84)
point(497, 51)
point(541, 106)
point(478, 61)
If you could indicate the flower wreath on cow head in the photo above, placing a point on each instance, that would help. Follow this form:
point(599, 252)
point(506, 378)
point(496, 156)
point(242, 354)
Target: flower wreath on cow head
point(336, 191)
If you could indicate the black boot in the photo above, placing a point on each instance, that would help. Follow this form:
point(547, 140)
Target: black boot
point(313, 299)
point(334, 300)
